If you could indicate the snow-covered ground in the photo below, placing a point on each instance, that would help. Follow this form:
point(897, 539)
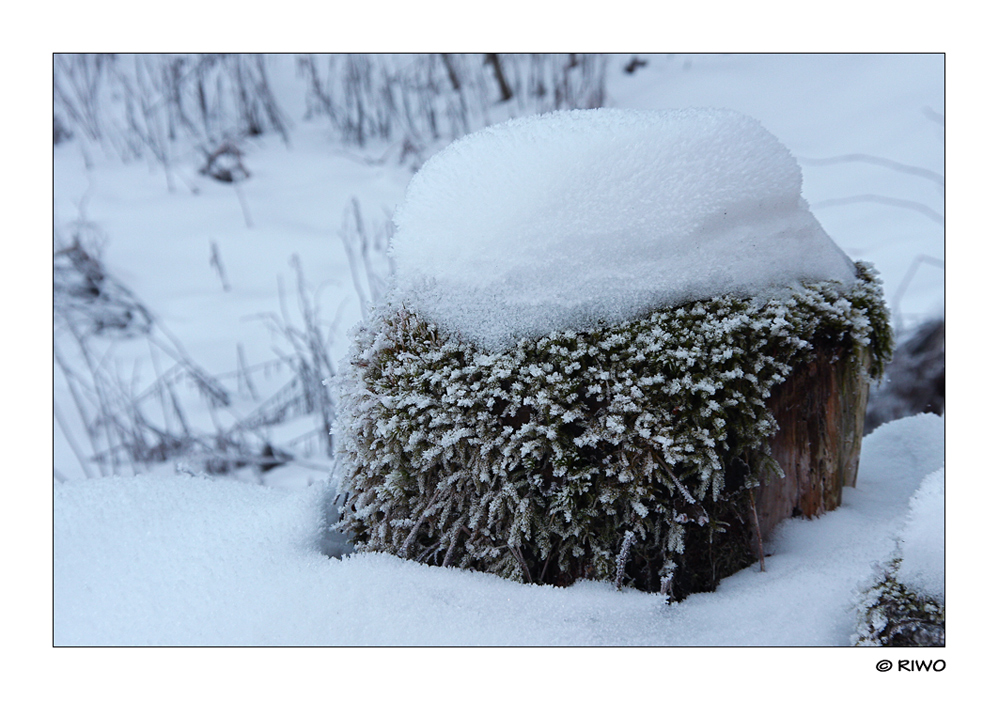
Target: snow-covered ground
point(193, 561)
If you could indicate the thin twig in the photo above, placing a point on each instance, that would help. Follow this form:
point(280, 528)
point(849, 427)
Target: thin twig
point(876, 160)
point(216, 262)
point(906, 279)
point(243, 205)
point(404, 550)
point(243, 372)
point(879, 199)
point(71, 379)
point(622, 558)
point(544, 569)
point(355, 273)
point(451, 547)
point(683, 490)
point(100, 392)
point(523, 563)
point(759, 535)
point(72, 442)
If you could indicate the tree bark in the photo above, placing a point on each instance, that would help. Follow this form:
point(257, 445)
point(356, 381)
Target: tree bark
point(820, 416)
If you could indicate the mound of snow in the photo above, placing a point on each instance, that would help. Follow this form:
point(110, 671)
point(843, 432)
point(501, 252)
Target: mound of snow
point(561, 220)
point(922, 540)
point(187, 561)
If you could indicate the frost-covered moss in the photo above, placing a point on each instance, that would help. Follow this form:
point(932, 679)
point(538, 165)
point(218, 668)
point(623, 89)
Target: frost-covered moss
point(891, 614)
point(536, 463)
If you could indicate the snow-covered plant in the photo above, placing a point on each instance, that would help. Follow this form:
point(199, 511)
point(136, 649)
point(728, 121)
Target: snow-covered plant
point(903, 603)
point(416, 100)
point(142, 105)
point(892, 614)
point(622, 452)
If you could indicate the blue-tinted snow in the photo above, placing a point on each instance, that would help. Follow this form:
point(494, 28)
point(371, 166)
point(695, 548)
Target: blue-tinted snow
point(556, 221)
point(191, 561)
point(922, 539)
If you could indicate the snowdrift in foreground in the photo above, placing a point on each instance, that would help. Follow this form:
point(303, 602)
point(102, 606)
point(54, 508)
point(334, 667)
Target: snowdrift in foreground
point(192, 561)
point(922, 540)
point(902, 604)
point(560, 220)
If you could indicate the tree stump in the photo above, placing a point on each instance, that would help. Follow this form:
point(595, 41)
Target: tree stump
point(820, 412)
point(629, 453)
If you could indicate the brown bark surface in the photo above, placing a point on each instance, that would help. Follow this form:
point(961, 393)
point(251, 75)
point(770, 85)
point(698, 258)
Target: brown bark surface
point(820, 417)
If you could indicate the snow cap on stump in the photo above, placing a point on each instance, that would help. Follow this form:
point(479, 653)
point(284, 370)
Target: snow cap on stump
point(563, 220)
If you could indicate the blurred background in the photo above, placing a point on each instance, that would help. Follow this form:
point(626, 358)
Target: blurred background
point(222, 221)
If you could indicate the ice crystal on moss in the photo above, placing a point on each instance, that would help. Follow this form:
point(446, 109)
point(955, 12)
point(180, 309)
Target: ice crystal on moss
point(533, 463)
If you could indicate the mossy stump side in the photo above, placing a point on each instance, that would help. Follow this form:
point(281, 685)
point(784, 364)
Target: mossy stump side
point(820, 413)
point(651, 453)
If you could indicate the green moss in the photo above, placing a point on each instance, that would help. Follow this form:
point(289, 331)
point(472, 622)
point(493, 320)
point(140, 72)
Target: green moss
point(535, 462)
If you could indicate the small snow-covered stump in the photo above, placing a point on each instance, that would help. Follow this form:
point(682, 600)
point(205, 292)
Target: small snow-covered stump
point(618, 347)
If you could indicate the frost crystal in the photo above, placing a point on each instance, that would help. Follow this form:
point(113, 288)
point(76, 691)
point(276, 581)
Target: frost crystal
point(532, 467)
point(891, 614)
